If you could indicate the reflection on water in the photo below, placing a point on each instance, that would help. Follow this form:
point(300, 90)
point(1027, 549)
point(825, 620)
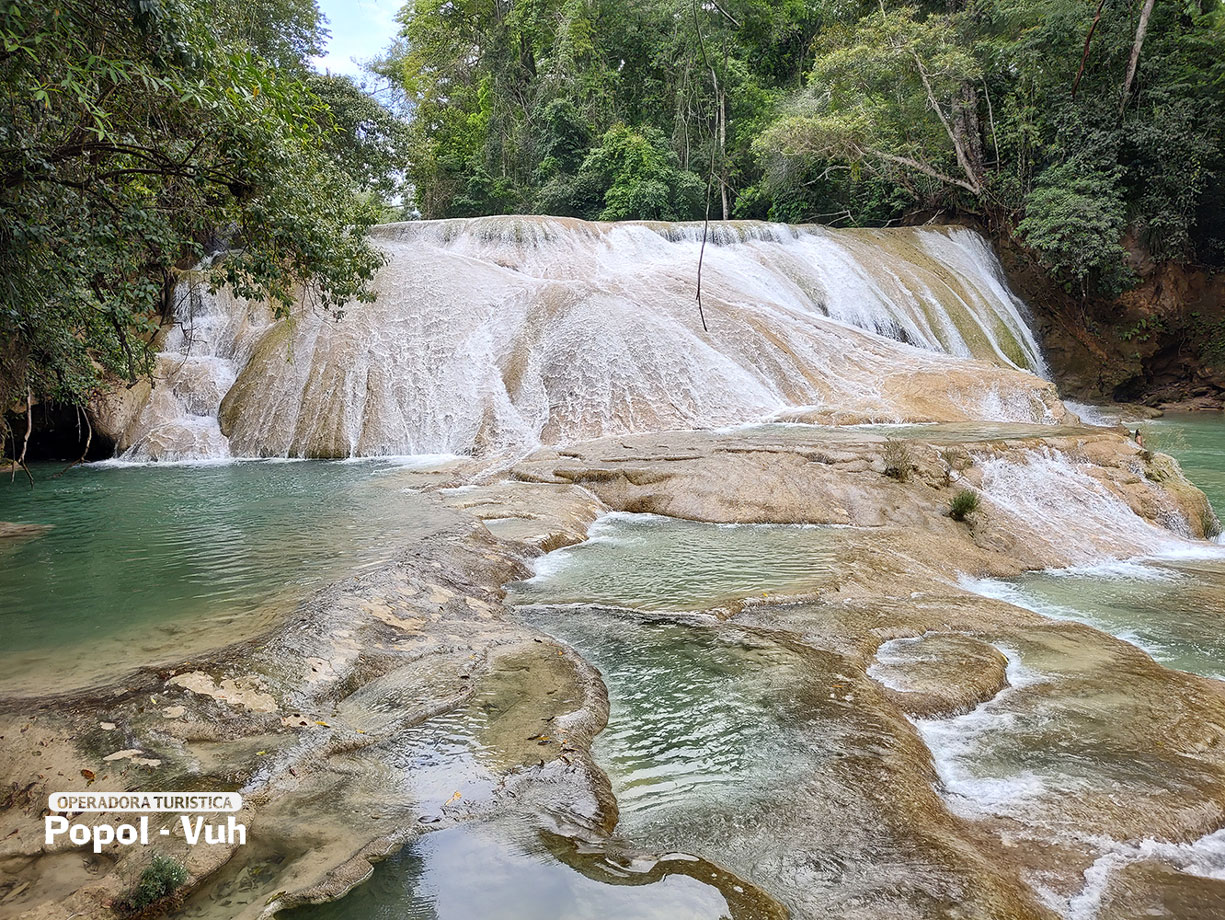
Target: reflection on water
point(148, 561)
point(449, 767)
point(486, 873)
point(713, 740)
point(655, 563)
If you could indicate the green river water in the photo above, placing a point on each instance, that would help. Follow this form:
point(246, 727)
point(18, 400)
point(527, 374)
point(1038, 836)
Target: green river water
point(150, 563)
point(1197, 440)
point(704, 724)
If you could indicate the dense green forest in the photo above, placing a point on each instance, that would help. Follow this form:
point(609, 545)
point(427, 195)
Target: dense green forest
point(1064, 121)
point(142, 138)
point(139, 139)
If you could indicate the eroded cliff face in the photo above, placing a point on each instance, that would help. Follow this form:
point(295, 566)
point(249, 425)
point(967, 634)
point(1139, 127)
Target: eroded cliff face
point(1161, 343)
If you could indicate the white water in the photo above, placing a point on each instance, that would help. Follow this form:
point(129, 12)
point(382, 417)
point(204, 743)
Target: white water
point(957, 745)
point(499, 334)
point(1204, 857)
point(200, 359)
point(1003, 759)
point(1051, 500)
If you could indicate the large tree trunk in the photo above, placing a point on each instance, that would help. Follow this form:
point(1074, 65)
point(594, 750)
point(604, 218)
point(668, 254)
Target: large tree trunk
point(966, 129)
point(1132, 64)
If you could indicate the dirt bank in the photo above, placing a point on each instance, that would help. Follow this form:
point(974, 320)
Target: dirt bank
point(1162, 343)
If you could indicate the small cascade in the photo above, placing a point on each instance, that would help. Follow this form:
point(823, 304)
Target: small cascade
point(200, 358)
point(496, 335)
point(1052, 501)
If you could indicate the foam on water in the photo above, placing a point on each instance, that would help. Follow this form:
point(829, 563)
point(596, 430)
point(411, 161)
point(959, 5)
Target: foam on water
point(1171, 613)
point(957, 744)
point(889, 656)
point(1204, 857)
point(1101, 416)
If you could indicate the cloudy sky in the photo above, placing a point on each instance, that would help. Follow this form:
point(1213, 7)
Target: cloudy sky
point(360, 30)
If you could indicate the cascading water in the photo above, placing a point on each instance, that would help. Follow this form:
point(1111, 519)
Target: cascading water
point(200, 358)
point(499, 334)
point(1053, 501)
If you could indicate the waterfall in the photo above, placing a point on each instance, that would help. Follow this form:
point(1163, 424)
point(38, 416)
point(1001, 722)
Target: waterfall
point(200, 357)
point(1052, 501)
point(500, 334)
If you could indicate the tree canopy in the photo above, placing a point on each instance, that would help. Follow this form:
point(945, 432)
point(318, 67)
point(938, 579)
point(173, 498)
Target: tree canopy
point(139, 139)
point(1066, 122)
point(143, 138)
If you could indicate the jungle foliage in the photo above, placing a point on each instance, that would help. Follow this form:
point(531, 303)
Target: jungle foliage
point(140, 138)
point(1065, 122)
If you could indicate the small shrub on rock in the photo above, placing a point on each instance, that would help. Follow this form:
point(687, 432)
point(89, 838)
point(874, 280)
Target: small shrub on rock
point(956, 461)
point(963, 504)
point(899, 460)
point(162, 878)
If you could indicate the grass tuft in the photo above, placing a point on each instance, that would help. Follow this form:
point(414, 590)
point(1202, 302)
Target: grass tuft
point(899, 460)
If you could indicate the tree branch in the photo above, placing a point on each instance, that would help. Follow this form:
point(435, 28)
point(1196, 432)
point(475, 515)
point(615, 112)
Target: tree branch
point(973, 184)
point(1088, 39)
point(922, 168)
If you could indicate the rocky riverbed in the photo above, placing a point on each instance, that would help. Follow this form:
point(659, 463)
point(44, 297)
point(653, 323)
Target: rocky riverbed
point(412, 699)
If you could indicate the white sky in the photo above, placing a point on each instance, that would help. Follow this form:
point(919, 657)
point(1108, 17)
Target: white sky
point(360, 30)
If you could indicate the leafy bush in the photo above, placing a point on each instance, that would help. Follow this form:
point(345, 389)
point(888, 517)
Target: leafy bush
point(1075, 217)
point(161, 878)
point(899, 460)
point(963, 504)
point(641, 177)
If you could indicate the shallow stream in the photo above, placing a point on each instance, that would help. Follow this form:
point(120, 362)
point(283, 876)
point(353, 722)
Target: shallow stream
point(1173, 606)
point(1056, 751)
point(723, 744)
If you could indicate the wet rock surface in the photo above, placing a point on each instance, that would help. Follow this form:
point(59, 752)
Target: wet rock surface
point(10, 531)
point(939, 674)
point(411, 701)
